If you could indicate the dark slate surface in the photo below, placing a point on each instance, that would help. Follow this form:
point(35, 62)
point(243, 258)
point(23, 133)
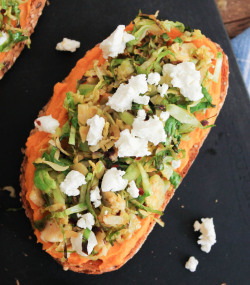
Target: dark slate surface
point(221, 171)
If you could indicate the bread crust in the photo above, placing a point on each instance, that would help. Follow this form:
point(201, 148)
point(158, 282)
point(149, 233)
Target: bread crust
point(92, 267)
point(11, 56)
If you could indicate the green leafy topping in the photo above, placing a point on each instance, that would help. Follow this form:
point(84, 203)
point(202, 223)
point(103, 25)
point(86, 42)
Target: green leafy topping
point(175, 179)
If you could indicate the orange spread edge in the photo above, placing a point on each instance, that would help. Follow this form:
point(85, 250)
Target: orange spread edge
point(39, 141)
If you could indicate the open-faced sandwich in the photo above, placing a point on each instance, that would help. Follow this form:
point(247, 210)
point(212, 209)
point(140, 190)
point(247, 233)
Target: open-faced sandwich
point(18, 19)
point(116, 139)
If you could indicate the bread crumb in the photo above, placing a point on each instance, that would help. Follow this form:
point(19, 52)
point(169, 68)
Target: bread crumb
point(182, 206)
point(10, 189)
point(216, 201)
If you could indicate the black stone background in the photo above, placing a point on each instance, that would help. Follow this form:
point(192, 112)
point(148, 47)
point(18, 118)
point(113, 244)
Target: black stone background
point(221, 171)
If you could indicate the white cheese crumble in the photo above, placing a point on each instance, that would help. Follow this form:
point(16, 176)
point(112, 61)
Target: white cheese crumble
point(72, 182)
point(186, 78)
point(85, 221)
point(95, 197)
point(176, 163)
point(116, 42)
point(129, 145)
point(96, 125)
point(191, 264)
point(154, 78)
point(164, 116)
point(162, 89)
point(3, 37)
point(113, 181)
point(208, 237)
point(77, 243)
point(46, 124)
point(125, 94)
point(132, 189)
point(68, 45)
point(151, 130)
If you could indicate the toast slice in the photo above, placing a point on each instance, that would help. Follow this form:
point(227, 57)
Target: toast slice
point(30, 12)
point(118, 253)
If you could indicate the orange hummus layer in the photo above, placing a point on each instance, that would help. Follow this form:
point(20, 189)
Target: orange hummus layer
point(38, 141)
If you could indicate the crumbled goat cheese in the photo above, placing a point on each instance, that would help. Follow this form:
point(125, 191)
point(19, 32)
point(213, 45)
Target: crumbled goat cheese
point(72, 182)
point(129, 145)
point(164, 116)
point(106, 212)
point(162, 89)
point(176, 163)
point(116, 42)
point(3, 38)
point(96, 125)
point(68, 45)
point(208, 236)
point(140, 86)
point(191, 264)
point(77, 243)
point(95, 197)
point(154, 78)
point(132, 189)
point(125, 94)
point(92, 242)
point(46, 124)
point(151, 130)
point(85, 221)
point(186, 78)
point(113, 181)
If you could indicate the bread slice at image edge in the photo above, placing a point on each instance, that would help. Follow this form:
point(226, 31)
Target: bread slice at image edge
point(92, 267)
point(9, 58)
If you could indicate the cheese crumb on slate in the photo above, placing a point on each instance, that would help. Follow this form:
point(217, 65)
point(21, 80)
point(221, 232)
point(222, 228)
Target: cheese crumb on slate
point(68, 45)
point(132, 189)
point(129, 145)
point(46, 124)
point(96, 125)
point(125, 94)
point(208, 237)
point(191, 264)
point(186, 78)
point(116, 42)
point(151, 130)
point(72, 182)
point(113, 181)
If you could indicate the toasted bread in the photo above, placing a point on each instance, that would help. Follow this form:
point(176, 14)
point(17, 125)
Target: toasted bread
point(99, 266)
point(8, 58)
